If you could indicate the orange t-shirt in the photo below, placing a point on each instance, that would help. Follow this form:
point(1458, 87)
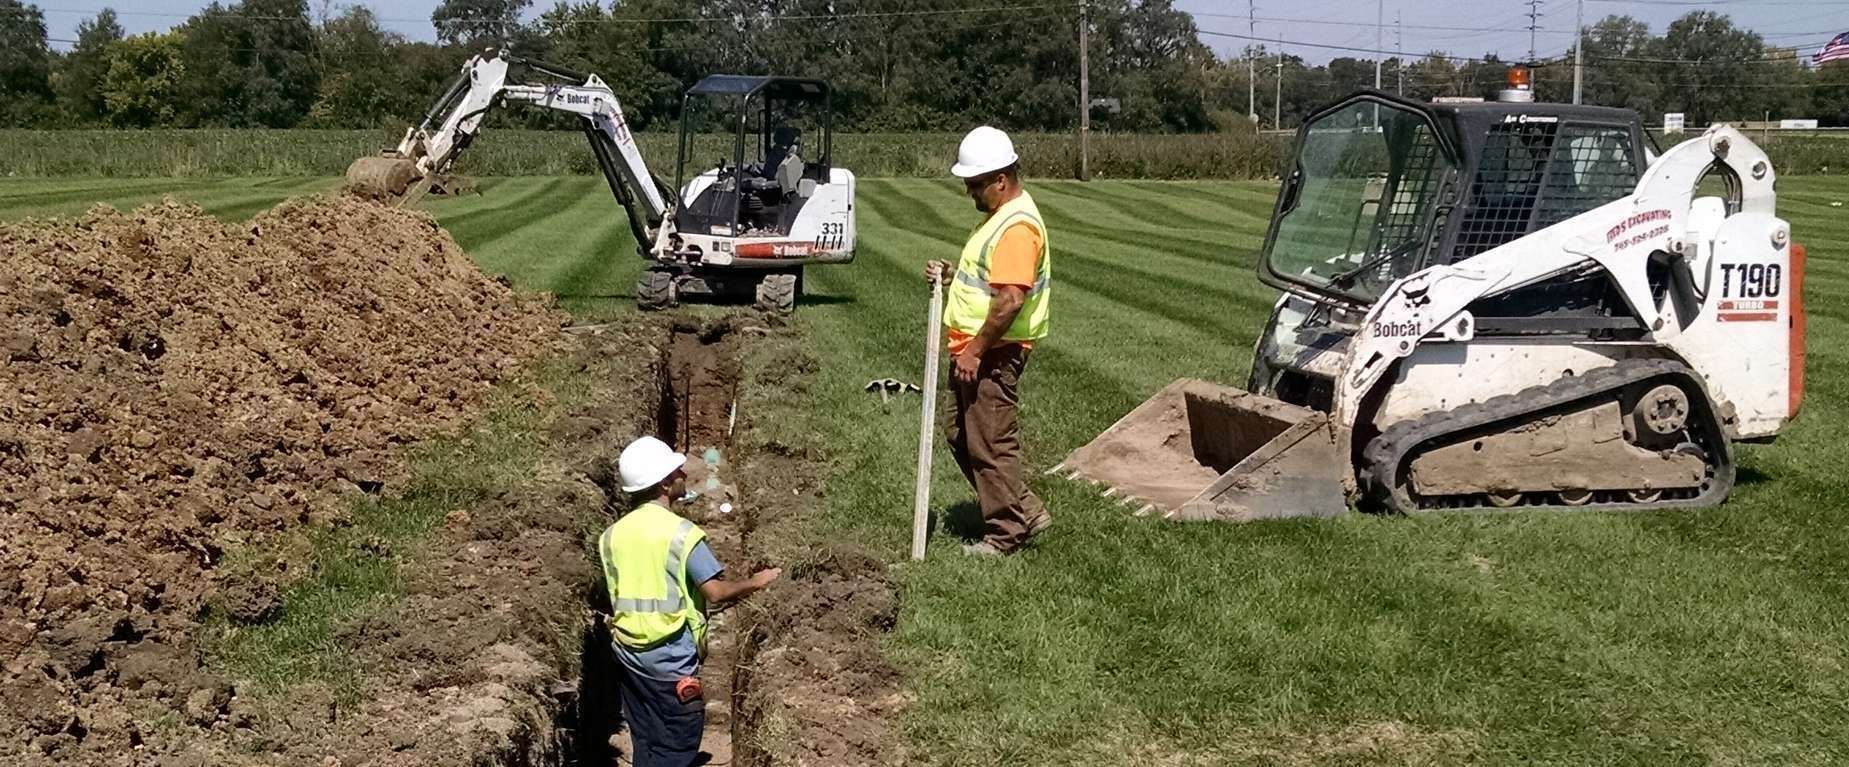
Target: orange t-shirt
point(1015, 261)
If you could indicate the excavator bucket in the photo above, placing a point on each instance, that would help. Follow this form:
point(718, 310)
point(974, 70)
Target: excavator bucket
point(1202, 451)
point(382, 178)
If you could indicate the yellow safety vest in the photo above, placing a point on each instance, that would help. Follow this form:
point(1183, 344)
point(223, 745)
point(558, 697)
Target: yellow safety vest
point(968, 304)
point(645, 567)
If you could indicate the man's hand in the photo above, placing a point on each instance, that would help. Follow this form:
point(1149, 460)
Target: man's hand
point(766, 577)
point(968, 365)
point(938, 271)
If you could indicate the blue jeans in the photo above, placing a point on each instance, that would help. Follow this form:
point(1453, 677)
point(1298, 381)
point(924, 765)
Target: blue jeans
point(663, 731)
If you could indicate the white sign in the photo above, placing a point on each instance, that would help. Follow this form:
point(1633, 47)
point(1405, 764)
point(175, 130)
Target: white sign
point(1672, 122)
point(1798, 124)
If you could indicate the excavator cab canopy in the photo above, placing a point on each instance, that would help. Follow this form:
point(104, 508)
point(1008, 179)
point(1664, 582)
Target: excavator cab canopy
point(768, 138)
point(1380, 187)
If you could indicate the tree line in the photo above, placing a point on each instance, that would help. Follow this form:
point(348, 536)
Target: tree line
point(896, 65)
point(1702, 65)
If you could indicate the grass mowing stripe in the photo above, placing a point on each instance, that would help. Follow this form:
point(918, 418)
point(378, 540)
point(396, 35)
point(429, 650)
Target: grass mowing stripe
point(937, 223)
point(87, 190)
point(1172, 209)
point(75, 203)
point(499, 205)
point(602, 277)
point(1150, 283)
point(558, 199)
point(1111, 222)
point(513, 250)
point(611, 276)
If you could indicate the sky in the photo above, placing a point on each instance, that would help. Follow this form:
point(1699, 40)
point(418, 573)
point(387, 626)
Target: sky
point(1494, 26)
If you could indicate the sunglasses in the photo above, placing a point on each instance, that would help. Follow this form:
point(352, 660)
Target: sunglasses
point(973, 184)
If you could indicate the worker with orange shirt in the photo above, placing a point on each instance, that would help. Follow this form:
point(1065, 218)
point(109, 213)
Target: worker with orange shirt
point(999, 297)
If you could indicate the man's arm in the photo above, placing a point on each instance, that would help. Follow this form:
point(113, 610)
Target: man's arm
point(704, 569)
point(1003, 306)
point(719, 591)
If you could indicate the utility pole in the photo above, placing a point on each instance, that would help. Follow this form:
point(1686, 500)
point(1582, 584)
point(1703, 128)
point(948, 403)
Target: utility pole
point(1084, 90)
point(1277, 99)
point(1579, 41)
point(1399, 54)
point(1380, 31)
point(1251, 64)
point(1534, 23)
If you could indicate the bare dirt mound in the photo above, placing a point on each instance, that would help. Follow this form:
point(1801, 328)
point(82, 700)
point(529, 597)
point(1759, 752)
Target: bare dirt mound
point(172, 386)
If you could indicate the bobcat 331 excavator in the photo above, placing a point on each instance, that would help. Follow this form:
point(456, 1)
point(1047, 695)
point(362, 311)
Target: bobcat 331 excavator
point(1489, 306)
point(745, 228)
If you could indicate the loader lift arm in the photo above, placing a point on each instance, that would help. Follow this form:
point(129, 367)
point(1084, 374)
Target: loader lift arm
point(454, 121)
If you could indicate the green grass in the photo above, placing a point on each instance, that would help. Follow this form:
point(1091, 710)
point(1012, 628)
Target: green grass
point(1715, 636)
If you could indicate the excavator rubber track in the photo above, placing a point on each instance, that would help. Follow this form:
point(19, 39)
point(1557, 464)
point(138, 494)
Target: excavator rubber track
point(1387, 460)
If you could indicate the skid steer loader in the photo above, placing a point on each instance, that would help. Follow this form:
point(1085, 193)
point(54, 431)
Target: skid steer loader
point(744, 229)
point(1489, 306)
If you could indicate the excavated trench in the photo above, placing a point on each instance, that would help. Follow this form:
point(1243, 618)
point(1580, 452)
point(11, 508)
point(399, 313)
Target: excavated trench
point(695, 410)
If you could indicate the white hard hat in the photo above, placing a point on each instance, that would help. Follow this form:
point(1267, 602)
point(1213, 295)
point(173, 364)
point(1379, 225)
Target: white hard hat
point(984, 150)
point(645, 463)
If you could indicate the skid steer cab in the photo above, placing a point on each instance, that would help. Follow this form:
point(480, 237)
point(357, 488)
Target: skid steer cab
point(760, 197)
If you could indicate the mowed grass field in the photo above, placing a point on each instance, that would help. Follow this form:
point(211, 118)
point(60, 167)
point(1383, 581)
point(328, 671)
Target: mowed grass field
point(1710, 637)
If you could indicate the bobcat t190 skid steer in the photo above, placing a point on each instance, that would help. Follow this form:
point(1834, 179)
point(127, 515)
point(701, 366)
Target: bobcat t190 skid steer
point(744, 228)
point(1489, 305)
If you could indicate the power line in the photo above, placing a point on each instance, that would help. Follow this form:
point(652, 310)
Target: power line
point(1336, 23)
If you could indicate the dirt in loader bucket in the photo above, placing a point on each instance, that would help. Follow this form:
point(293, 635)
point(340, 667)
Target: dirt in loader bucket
point(1201, 451)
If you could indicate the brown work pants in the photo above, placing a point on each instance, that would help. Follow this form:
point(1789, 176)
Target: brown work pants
point(985, 438)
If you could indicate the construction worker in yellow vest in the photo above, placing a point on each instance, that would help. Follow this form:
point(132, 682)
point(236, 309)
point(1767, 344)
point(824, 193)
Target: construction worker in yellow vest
point(1000, 295)
point(662, 576)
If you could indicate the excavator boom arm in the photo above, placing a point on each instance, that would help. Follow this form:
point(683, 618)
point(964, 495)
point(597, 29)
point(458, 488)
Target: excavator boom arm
point(455, 119)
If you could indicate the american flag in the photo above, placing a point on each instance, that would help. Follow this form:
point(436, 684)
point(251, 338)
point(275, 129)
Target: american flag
point(1837, 48)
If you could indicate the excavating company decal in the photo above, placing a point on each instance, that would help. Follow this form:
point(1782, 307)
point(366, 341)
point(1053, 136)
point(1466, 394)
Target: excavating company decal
point(1750, 292)
point(1617, 237)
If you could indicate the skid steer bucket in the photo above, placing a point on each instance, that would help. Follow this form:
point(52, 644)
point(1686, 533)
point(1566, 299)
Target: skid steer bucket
point(1199, 450)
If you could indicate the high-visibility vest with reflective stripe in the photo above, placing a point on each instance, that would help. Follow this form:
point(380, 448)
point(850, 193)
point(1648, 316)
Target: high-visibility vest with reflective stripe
point(970, 292)
point(645, 567)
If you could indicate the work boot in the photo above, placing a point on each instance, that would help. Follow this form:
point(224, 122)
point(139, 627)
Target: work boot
point(983, 549)
point(1039, 524)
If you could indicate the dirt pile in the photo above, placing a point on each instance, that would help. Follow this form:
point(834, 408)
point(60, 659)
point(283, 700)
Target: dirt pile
point(171, 387)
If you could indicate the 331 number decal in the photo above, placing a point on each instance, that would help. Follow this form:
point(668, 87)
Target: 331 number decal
point(833, 236)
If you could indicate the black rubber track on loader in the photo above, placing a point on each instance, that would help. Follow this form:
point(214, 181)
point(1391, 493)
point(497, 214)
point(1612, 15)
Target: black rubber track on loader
point(1388, 457)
